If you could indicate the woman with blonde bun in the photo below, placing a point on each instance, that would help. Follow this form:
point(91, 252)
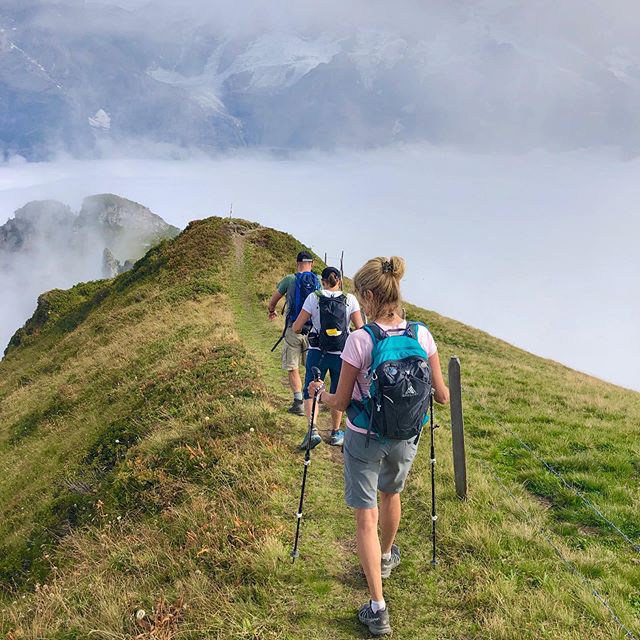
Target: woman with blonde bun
point(375, 465)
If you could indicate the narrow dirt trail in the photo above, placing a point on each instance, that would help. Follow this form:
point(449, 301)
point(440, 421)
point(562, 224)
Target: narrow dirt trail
point(328, 564)
point(321, 592)
point(243, 303)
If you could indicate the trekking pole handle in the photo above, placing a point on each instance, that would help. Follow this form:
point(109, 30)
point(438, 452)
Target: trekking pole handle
point(316, 378)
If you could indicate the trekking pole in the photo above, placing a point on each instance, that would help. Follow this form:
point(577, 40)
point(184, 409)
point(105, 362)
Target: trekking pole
point(307, 462)
point(284, 331)
point(434, 517)
point(280, 339)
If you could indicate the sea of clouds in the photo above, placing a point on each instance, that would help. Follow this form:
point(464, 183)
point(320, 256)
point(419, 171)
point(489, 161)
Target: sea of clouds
point(538, 249)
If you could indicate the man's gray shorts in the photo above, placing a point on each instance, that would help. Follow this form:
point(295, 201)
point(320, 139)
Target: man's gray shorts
point(294, 352)
point(380, 466)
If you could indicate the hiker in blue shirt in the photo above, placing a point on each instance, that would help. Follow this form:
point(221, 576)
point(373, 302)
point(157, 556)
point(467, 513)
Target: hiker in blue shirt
point(295, 287)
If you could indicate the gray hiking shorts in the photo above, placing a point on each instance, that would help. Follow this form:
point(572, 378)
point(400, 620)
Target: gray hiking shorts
point(382, 466)
point(294, 351)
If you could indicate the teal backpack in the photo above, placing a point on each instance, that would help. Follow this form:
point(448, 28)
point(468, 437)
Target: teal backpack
point(397, 406)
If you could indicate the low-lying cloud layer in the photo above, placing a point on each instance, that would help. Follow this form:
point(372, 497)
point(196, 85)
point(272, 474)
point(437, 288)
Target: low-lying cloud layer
point(538, 249)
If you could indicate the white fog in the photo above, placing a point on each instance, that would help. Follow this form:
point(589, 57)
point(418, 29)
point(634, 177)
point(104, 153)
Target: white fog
point(538, 249)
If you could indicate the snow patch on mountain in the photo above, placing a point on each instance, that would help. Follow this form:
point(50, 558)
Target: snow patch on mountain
point(102, 120)
point(33, 63)
point(281, 60)
point(272, 61)
point(204, 88)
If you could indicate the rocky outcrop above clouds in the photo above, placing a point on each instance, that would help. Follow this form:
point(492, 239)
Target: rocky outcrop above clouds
point(47, 246)
point(105, 222)
point(126, 228)
point(25, 230)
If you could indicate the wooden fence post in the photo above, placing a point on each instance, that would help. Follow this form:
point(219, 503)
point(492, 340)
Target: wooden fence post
point(457, 428)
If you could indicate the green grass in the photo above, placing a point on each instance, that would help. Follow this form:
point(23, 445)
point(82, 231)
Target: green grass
point(130, 477)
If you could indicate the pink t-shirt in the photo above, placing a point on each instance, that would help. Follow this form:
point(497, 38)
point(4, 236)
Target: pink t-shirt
point(357, 352)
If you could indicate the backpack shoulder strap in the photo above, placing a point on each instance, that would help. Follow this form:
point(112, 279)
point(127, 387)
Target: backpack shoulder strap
point(376, 333)
point(412, 329)
point(298, 301)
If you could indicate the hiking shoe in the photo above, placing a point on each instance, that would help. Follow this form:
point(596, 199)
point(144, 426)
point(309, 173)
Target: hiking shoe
point(315, 439)
point(337, 438)
point(297, 408)
point(378, 623)
point(388, 565)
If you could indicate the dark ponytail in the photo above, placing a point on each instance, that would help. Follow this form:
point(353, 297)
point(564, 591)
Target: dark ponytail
point(332, 280)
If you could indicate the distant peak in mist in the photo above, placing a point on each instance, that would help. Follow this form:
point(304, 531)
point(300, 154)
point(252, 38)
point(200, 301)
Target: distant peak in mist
point(34, 210)
point(46, 245)
point(120, 223)
point(111, 210)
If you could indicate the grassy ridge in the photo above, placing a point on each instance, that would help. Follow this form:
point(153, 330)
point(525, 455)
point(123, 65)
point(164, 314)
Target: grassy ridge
point(131, 479)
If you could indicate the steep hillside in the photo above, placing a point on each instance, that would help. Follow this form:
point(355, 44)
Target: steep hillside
point(146, 463)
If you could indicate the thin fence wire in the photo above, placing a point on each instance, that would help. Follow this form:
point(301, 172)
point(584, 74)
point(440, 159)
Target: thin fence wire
point(568, 563)
point(568, 485)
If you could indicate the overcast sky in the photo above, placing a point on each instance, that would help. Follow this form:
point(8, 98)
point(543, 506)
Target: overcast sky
point(538, 249)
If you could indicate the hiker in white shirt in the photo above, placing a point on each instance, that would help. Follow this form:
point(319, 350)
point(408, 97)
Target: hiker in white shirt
point(331, 312)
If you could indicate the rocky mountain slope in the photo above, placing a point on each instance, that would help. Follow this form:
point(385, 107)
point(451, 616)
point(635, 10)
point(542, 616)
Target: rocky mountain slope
point(150, 478)
point(90, 77)
point(127, 229)
point(33, 223)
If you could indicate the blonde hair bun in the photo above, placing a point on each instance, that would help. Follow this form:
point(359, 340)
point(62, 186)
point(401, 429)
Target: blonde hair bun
point(378, 283)
point(398, 266)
